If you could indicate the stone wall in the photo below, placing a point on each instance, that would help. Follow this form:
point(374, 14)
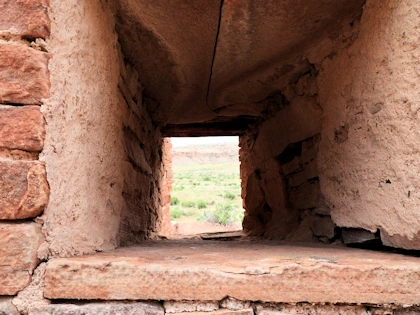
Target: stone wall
point(24, 190)
point(280, 184)
point(102, 151)
point(358, 108)
point(369, 151)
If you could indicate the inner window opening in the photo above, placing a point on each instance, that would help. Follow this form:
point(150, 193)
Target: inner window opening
point(206, 186)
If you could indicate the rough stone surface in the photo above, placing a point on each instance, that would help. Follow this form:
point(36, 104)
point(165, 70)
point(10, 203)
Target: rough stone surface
point(7, 307)
point(220, 58)
point(19, 243)
point(368, 157)
point(106, 308)
point(248, 271)
point(114, 201)
point(26, 18)
point(21, 128)
point(24, 189)
point(190, 306)
point(220, 312)
point(356, 236)
point(24, 76)
point(309, 309)
point(234, 304)
point(32, 295)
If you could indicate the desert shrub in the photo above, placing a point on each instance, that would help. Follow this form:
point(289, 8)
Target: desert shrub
point(174, 201)
point(176, 213)
point(188, 212)
point(206, 178)
point(229, 195)
point(188, 204)
point(223, 214)
point(201, 204)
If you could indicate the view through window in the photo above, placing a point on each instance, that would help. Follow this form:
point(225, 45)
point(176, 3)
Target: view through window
point(206, 191)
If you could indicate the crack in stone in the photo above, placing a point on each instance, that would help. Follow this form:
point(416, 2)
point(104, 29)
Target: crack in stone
point(214, 55)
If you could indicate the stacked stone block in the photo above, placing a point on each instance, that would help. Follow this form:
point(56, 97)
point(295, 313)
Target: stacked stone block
point(24, 191)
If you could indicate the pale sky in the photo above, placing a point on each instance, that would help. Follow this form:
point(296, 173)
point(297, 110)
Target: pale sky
point(179, 141)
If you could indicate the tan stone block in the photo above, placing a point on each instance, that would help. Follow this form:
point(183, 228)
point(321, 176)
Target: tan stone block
point(24, 189)
point(323, 226)
point(21, 128)
point(190, 306)
point(248, 311)
point(312, 309)
point(26, 18)
point(234, 304)
point(107, 308)
point(24, 76)
point(19, 243)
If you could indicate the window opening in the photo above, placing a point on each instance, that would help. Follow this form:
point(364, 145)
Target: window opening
point(206, 188)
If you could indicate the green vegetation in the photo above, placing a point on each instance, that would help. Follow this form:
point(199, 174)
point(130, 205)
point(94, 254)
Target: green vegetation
point(208, 193)
point(201, 204)
point(188, 204)
point(174, 201)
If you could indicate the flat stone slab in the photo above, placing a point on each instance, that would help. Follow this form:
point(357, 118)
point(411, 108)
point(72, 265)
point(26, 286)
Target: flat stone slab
point(245, 270)
point(110, 308)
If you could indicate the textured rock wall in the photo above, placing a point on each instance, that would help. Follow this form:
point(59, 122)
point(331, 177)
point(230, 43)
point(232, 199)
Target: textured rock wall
point(102, 151)
point(369, 156)
point(280, 184)
point(24, 190)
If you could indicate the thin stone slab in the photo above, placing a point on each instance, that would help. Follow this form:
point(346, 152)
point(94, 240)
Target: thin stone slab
point(106, 308)
point(249, 271)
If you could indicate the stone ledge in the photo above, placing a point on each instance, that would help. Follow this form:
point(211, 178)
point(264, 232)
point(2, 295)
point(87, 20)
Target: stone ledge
point(19, 243)
point(24, 191)
point(22, 128)
point(110, 308)
point(249, 271)
point(24, 76)
point(26, 18)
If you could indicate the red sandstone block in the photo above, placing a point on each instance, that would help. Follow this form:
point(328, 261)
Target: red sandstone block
point(26, 18)
point(24, 190)
point(19, 243)
point(24, 76)
point(22, 128)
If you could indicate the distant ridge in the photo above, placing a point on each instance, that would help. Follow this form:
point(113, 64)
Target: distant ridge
point(225, 153)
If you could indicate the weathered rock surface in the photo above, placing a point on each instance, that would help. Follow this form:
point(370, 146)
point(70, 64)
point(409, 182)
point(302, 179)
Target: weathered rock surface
point(7, 307)
point(309, 309)
point(106, 308)
point(356, 236)
point(248, 311)
point(27, 18)
point(193, 270)
point(369, 162)
point(19, 243)
point(24, 189)
point(24, 76)
point(220, 58)
point(21, 128)
point(190, 306)
point(234, 304)
point(32, 295)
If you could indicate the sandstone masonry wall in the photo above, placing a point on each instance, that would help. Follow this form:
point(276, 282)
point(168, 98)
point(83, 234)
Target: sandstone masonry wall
point(24, 190)
point(369, 156)
point(280, 185)
point(102, 151)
